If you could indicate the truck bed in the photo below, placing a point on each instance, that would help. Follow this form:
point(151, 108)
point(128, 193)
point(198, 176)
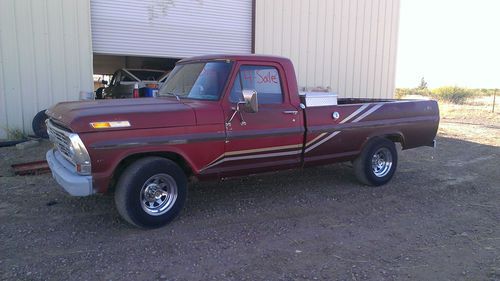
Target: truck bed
point(412, 123)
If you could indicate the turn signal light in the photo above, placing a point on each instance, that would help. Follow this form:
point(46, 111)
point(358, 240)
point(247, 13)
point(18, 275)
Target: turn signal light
point(110, 124)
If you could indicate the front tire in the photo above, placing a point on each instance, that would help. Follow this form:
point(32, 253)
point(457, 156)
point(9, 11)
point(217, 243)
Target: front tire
point(151, 192)
point(377, 162)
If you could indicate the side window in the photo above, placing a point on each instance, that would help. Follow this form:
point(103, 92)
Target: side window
point(263, 79)
point(236, 95)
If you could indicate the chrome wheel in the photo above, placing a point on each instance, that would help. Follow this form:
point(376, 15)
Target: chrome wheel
point(381, 162)
point(158, 194)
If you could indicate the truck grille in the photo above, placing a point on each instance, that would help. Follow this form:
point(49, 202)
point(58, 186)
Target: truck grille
point(60, 139)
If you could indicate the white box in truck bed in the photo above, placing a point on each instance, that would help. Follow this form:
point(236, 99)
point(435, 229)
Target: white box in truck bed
point(313, 99)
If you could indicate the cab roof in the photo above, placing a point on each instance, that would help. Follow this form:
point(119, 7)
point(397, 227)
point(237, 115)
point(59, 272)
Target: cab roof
point(236, 57)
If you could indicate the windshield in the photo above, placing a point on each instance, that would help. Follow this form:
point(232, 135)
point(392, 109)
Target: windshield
point(201, 81)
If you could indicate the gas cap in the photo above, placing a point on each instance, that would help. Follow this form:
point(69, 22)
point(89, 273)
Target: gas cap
point(335, 115)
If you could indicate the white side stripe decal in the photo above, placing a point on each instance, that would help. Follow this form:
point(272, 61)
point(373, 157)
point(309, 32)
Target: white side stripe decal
point(322, 141)
point(355, 113)
point(367, 113)
point(315, 139)
point(254, 157)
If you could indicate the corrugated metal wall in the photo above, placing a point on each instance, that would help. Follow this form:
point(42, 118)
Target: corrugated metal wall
point(45, 57)
point(168, 28)
point(348, 45)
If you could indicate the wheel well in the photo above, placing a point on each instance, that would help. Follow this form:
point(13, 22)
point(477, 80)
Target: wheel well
point(395, 138)
point(124, 163)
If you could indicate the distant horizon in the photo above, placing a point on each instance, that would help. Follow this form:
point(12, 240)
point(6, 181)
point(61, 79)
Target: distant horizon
point(449, 43)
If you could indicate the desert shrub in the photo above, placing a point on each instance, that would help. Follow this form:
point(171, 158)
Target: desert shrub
point(455, 95)
point(14, 134)
point(486, 92)
point(401, 92)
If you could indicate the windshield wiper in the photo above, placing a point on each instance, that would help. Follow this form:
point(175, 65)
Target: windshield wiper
point(175, 95)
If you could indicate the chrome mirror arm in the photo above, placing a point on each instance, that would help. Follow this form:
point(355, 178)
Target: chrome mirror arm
point(242, 121)
point(236, 110)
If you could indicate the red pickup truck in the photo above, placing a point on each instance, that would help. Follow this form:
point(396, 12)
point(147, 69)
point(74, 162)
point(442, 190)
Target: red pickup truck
point(223, 116)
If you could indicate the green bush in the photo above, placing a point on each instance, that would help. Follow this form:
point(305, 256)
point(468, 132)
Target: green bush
point(452, 94)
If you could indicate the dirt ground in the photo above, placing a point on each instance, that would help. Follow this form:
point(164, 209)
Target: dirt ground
point(438, 219)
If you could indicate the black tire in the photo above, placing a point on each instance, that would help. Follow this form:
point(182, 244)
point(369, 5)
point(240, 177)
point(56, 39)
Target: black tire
point(98, 93)
point(372, 165)
point(39, 126)
point(132, 188)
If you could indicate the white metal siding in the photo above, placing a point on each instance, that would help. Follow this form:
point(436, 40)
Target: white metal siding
point(348, 45)
point(171, 28)
point(45, 57)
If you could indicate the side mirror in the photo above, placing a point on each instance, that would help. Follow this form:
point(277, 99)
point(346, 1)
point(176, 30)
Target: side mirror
point(251, 102)
point(251, 105)
point(104, 82)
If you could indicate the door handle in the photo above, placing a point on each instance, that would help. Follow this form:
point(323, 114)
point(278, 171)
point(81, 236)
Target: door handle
point(294, 112)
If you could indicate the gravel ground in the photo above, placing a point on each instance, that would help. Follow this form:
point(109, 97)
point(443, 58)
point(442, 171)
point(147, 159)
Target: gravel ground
point(438, 219)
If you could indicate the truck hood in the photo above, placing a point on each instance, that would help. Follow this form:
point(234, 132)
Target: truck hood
point(141, 113)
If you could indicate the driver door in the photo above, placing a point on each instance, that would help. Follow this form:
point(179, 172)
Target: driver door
point(268, 139)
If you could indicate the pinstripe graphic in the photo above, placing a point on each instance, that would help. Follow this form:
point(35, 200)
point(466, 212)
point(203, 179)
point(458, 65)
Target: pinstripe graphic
point(309, 146)
point(266, 155)
point(239, 152)
point(321, 141)
point(315, 139)
point(363, 107)
point(367, 113)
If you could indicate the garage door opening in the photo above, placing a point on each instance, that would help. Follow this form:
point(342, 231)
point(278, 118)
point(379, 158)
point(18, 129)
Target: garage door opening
point(118, 76)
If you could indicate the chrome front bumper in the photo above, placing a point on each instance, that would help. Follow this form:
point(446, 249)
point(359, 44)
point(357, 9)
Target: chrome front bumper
point(63, 172)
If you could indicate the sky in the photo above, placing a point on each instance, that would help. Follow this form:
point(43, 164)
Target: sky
point(449, 43)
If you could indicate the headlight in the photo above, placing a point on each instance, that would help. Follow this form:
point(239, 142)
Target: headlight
point(79, 155)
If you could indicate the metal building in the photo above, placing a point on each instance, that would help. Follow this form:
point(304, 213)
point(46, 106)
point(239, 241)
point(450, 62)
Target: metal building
point(347, 45)
point(49, 49)
point(45, 57)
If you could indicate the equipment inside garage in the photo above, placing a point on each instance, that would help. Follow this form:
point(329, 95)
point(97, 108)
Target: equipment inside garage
point(106, 65)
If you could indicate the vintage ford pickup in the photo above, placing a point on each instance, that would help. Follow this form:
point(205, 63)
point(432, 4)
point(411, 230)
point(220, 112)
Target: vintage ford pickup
point(223, 116)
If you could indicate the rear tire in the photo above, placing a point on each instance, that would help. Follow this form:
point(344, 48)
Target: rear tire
point(151, 192)
point(377, 162)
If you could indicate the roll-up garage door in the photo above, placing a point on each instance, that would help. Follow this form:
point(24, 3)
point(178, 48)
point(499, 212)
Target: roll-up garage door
point(171, 28)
